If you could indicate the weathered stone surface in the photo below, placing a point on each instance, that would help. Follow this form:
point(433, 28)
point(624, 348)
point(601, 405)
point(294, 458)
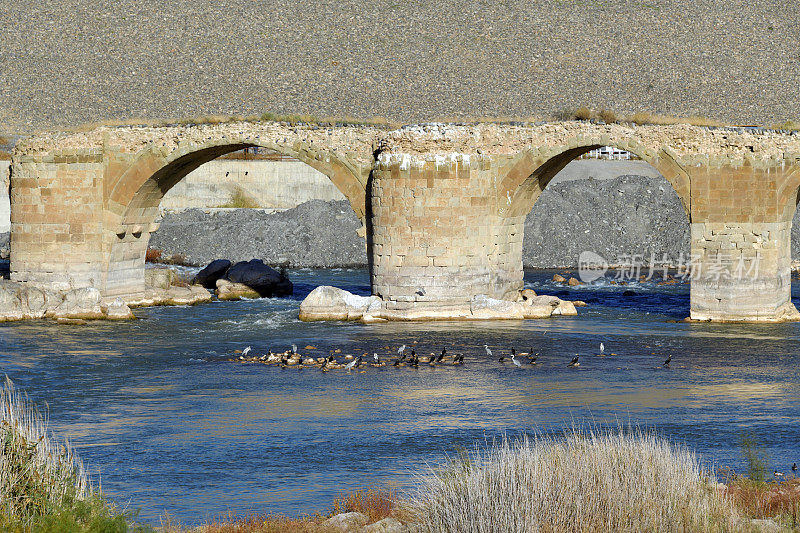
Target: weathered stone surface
point(262, 279)
point(484, 307)
point(10, 305)
point(20, 301)
point(526, 294)
point(159, 278)
point(174, 295)
point(573, 282)
point(209, 275)
point(345, 523)
point(117, 310)
point(80, 303)
point(387, 525)
point(558, 278)
point(332, 303)
point(227, 290)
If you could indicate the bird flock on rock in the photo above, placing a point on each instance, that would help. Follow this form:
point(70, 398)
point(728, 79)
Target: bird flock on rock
point(291, 358)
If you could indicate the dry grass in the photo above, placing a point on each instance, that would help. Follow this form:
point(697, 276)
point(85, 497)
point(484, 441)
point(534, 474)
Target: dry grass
point(583, 113)
point(790, 125)
point(663, 120)
point(289, 118)
point(153, 255)
point(581, 482)
point(779, 501)
point(257, 523)
point(376, 503)
point(607, 116)
point(373, 502)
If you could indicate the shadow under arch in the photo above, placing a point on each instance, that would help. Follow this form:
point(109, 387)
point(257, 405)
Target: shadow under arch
point(525, 177)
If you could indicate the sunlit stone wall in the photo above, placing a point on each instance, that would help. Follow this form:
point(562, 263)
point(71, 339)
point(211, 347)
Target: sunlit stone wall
point(439, 236)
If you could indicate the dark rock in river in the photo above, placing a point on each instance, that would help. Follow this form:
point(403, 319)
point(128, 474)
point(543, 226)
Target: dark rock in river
point(264, 280)
point(211, 273)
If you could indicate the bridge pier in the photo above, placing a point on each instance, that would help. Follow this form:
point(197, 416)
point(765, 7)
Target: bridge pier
point(741, 271)
point(440, 236)
point(57, 220)
point(741, 243)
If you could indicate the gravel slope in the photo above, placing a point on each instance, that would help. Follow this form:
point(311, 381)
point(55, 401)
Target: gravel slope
point(314, 234)
point(75, 61)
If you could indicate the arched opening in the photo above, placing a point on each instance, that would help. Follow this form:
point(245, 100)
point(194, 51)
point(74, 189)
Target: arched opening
point(136, 197)
point(607, 217)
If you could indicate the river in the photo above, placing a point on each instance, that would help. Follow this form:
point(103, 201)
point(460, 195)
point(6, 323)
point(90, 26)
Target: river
point(165, 424)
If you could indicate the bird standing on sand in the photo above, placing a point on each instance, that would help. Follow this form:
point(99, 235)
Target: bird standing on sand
point(574, 361)
point(400, 352)
point(441, 355)
point(668, 361)
point(532, 359)
point(602, 348)
point(294, 349)
point(375, 357)
point(514, 359)
point(488, 351)
point(414, 359)
point(458, 359)
point(246, 351)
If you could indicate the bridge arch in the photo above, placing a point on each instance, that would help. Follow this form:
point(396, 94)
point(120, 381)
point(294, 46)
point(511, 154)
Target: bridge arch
point(135, 186)
point(524, 178)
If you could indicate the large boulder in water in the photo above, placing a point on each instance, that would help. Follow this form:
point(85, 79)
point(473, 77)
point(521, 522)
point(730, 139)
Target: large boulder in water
point(211, 273)
point(259, 277)
point(333, 303)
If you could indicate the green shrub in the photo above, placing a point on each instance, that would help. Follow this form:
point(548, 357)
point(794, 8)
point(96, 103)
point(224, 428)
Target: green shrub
point(755, 457)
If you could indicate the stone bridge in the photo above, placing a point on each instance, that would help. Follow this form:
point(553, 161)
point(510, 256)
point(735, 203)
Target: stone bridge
point(443, 206)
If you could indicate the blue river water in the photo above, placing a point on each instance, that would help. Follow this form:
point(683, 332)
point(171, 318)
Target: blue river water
point(165, 424)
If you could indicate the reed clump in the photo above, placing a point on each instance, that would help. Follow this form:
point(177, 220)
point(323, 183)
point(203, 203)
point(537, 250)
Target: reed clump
point(583, 481)
point(43, 485)
point(376, 503)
